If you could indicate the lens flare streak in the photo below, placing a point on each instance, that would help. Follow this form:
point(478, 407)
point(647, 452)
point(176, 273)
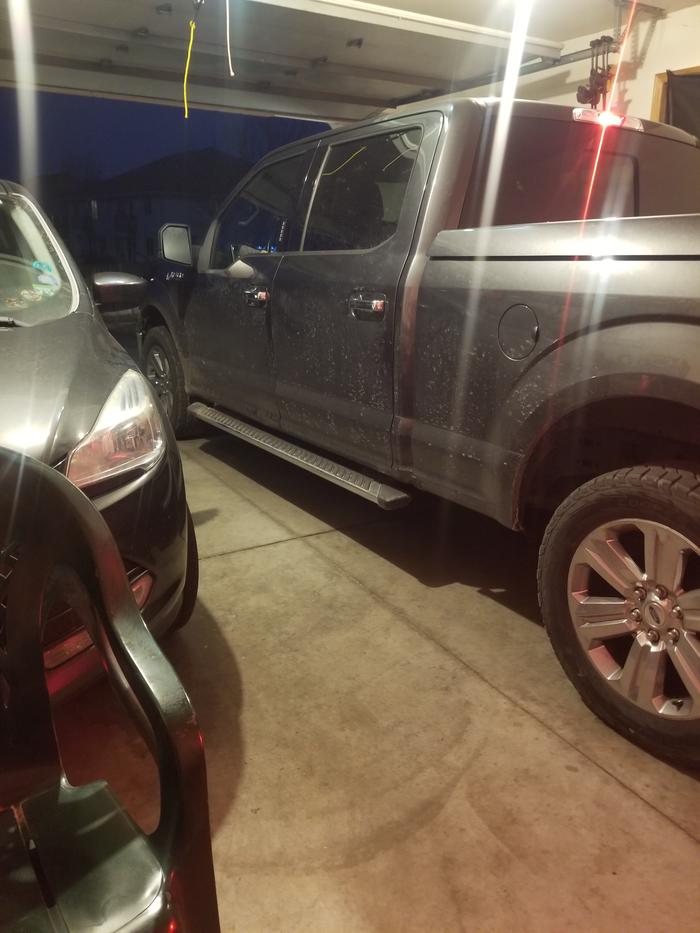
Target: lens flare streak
point(25, 79)
point(479, 268)
point(605, 126)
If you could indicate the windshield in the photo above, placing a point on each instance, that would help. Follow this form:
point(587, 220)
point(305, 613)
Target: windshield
point(35, 284)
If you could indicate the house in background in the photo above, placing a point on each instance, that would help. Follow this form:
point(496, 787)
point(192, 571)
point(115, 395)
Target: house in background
point(115, 222)
point(108, 211)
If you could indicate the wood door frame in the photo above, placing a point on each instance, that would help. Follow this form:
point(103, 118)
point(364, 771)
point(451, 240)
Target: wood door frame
point(660, 97)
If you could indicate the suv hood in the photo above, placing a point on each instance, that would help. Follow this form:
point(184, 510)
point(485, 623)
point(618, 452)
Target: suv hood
point(54, 379)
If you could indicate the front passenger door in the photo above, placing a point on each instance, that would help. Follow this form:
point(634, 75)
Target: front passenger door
point(228, 317)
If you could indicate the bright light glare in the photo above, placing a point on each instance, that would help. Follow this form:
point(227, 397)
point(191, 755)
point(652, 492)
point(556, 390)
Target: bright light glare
point(605, 246)
point(27, 438)
point(602, 117)
point(25, 79)
point(606, 118)
point(516, 50)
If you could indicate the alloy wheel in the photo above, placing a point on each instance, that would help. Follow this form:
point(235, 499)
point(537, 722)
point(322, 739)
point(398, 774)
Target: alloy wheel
point(634, 600)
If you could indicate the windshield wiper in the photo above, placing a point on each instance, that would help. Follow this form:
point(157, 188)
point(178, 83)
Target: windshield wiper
point(11, 322)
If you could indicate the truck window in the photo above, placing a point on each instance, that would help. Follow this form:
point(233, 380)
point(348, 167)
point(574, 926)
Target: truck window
point(549, 166)
point(360, 192)
point(263, 215)
point(547, 173)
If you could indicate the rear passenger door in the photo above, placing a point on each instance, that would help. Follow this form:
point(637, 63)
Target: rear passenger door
point(335, 301)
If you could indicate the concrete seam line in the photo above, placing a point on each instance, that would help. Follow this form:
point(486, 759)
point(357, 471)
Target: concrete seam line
point(405, 618)
point(310, 534)
point(402, 616)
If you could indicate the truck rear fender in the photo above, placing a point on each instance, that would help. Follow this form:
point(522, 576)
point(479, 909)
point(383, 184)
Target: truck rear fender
point(639, 402)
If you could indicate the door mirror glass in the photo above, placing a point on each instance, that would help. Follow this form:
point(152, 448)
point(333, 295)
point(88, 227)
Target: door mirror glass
point(114, 289)
point(176, 244)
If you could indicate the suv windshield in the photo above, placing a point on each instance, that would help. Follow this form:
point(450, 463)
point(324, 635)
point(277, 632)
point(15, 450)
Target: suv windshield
point(35, 285)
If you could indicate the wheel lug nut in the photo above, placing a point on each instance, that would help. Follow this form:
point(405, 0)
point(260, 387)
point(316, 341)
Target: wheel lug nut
point(661, 592)
point(640, 592)
point(636, 615)
point(673, 635)
point(653, 637)
point(677, 613)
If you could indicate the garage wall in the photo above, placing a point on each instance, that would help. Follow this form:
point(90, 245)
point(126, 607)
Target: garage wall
point(672, 42)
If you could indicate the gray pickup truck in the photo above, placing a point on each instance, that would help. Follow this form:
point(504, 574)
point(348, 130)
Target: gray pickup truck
point(500, 305)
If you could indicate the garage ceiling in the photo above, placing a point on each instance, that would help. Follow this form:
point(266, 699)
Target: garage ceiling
point(330, 59)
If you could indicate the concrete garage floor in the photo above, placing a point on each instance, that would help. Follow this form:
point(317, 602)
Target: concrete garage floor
point(391, 744)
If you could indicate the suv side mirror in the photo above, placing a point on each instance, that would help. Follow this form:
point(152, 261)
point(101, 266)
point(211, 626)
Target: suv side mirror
point(118, 288)
point(176, 244)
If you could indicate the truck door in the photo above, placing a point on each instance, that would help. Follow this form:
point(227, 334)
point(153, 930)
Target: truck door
point(227, 321)
point(335, 301)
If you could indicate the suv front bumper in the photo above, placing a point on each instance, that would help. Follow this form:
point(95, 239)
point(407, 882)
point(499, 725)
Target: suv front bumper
point(148, 518)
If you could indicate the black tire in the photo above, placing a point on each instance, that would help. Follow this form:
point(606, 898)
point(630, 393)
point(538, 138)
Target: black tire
point(191, 588)
point(162, 367)
point(667, 496)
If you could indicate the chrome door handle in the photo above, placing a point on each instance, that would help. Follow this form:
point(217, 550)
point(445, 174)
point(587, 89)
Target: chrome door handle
point(256, 296)
point(367, 306)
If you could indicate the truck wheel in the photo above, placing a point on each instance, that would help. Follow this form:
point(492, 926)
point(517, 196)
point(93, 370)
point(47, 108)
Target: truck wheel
point(163, 369)
point(619, 586)
point(189, 593)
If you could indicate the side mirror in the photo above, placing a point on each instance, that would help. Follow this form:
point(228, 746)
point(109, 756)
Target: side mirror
point(118, 288)
point(176, 244)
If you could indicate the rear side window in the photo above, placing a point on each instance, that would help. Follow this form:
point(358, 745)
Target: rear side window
point(361, 191)
point(669, 180)
point(263, 216)
point(548, 173)
point(553, 171)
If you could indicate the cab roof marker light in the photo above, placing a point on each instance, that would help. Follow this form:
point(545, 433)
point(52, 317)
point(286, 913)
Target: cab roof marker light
point(606, 118)
point(633, 123)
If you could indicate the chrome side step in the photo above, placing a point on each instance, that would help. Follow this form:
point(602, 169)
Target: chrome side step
point(387, 497)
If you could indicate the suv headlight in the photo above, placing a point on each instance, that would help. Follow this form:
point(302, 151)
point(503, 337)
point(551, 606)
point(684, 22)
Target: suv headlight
point(127, 435)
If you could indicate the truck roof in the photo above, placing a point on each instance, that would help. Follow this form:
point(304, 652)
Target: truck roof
point(521, 108)
point(532, 108)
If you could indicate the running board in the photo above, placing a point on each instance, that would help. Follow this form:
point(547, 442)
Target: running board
point(386, 497)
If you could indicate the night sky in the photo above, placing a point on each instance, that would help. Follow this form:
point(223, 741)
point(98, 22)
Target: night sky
point(98, 137)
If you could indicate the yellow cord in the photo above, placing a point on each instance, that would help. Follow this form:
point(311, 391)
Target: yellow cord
point(343, 164)
point(193, 26)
